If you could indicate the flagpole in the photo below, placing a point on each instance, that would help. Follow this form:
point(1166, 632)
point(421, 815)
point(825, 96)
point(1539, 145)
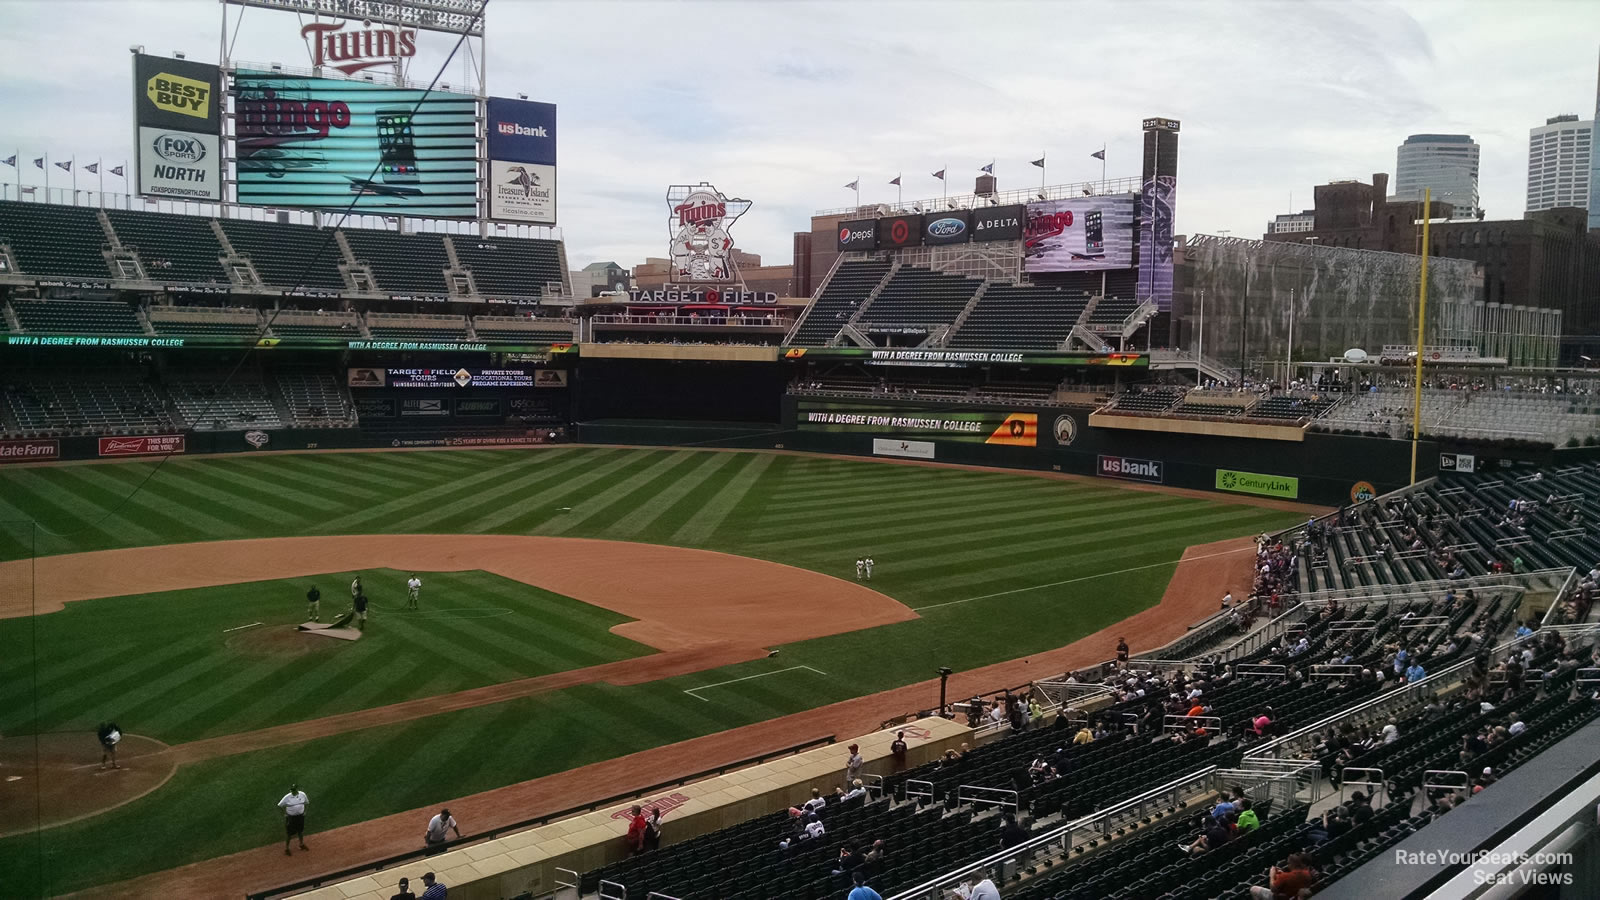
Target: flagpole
point(100, 170)
point(899, 193)
point(125, 192)
point(944, 184)
point(1102, 167)
point(72, 167)
point(47, 176)
point(858, 191)
point(1042, 181)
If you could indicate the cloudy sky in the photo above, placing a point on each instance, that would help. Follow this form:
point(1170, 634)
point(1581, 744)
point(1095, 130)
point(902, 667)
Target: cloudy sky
point(784, 101)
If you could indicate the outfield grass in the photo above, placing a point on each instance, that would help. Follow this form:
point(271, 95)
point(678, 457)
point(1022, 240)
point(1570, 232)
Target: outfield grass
point(1002, 565)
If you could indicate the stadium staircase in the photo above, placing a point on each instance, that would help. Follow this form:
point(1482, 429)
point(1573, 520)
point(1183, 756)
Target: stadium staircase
point(852, 282)
point(287, 257)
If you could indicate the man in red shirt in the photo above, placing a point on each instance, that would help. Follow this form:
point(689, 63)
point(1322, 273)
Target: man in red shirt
point(636, 829)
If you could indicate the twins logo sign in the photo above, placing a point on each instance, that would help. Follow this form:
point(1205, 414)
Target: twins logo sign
point(699, 221)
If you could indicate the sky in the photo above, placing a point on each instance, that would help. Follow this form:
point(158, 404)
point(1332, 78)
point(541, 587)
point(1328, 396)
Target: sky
point(785, 101)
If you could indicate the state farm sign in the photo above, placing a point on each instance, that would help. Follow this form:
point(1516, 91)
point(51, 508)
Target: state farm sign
point(29, 451)
point(143, 445)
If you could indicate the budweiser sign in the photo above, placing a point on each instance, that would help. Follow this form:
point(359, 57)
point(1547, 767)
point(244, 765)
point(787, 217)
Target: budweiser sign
point(29, 451)
point(350, 51)
point(144, 445)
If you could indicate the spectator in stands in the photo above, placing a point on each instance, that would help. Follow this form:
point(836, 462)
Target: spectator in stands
point(816, 802)
point(405, 891)
point(897, 751)
point(849, 860)
point(813, 829)
point(1248, 821)
point(1012, 833)
point(983, 890)
point(652, 830)
point(852, 764)
point(1035, 713)
point(1084, 735)
point(1286, 883)
point(636, 829)
point(432, 889)
point(1122, 650)
point(1416, 672)
point(861, 891)
point(857, 789)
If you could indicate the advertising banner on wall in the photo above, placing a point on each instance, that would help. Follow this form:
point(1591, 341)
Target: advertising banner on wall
point(1157, 208)
point(966, 426)
point(954, 227)
point(521, 148)
point(862, 234)
point(945, 358)
point(906, 449)
point(998, 223)
point(143, 445)
point(36, 450)
point(1079, 234)
point(177, 119)
point(449, 377)
point(319, 142)
point(900, 231)
point(1285, 486)
point(1129, 469)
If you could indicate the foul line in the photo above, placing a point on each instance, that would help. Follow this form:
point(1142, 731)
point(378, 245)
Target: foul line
point(240, 627)
point(1080, 578)
point(691, 691)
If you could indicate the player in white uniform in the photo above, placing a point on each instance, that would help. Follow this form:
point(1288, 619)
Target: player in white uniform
point(868, 563)
point(861, 567)
point(413, 591)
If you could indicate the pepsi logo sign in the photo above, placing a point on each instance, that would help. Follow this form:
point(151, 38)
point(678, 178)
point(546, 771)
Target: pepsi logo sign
point(946, 227)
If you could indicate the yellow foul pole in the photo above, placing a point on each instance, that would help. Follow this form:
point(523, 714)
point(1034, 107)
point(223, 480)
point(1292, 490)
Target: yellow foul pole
point(1422, 318)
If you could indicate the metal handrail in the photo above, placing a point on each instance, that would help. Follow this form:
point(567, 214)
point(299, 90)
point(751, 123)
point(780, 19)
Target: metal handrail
point(617, 891)
point(1062, 834)
point(975, 794)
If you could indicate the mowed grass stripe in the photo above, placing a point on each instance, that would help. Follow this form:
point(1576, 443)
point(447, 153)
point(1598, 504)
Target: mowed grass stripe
point(54, 673)
point(539, 507)
point(187, 512)
point(409, 502)
point(911, 522)
point(134, 673)
point(654, 469)
point(513, 499)
point(269, 505)
point(601, 513)
point(642, 518)
point(63, 511)
point(435, 517)
point(312, 475)
point(707, 518)
point(308, 502)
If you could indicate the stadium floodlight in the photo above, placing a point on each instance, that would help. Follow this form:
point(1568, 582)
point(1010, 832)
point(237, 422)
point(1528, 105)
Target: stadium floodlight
point(522, 96)
point(179, 54)
point(135, 48)
point(1088, 192)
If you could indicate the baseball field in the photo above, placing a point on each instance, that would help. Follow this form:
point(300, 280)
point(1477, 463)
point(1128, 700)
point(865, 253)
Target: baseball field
point(619, 600)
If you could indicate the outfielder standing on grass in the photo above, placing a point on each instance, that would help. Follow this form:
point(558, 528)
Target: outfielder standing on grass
point(314, 603)
point(293, 805)
point(413, 591)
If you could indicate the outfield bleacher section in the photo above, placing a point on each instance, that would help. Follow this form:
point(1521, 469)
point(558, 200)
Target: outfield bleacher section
point(918, 296)
point(1023, 317)
point(1552, 418)
point(838, 300)
point(416, 327)
point(314, 399)
point(288, 256)
point(95, 317)
point(171, 248)
point(55, 241)
point(510, 267)
point(402, 263)
point(88, 403)
point(241, 322)
point(210, 402)
point(522, 328)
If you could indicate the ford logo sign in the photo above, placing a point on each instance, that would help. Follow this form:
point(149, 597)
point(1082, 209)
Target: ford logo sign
point(946, 227)
point(179, 148)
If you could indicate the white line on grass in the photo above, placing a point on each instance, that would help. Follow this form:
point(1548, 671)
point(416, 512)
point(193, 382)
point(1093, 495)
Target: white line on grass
point(240, 627)
point(1079, 578)
point(691, 691)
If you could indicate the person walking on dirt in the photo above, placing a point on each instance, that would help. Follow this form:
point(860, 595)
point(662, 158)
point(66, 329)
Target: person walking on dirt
point(293, 805)
point(110, 735)
point(413, 591)
point(361, 611)
point(314, 604)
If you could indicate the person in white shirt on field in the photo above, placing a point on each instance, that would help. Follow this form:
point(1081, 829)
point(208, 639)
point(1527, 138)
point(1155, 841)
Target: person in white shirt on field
point(861, 567)
point(293, 805)
point(413, 591)
point(869, 564)
point(439, 828)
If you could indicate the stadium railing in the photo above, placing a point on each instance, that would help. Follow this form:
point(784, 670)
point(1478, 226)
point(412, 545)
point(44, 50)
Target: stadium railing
point(1062, 839)
point(489, 835)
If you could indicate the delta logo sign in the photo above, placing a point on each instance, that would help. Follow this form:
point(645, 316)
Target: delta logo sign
point(699, 221)
point(351, 51)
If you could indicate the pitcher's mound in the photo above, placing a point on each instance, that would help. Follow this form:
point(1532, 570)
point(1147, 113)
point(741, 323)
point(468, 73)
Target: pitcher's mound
point(68, 781)
point(278, 640)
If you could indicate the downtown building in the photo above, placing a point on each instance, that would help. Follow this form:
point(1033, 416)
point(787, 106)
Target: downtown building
point(1559, 160)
